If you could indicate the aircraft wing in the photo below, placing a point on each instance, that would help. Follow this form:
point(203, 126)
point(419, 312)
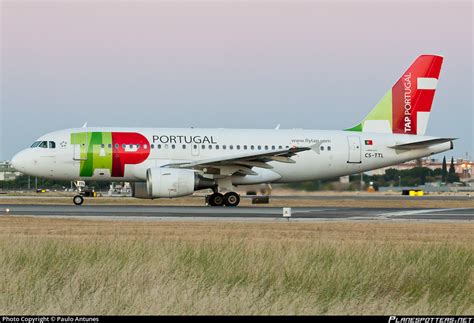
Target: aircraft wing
point(422, 144)
point(244, 162)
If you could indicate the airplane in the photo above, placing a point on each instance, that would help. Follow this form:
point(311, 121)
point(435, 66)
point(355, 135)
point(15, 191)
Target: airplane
point(173, 162)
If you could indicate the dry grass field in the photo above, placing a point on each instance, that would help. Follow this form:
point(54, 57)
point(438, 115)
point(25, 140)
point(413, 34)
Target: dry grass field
point(66, 266)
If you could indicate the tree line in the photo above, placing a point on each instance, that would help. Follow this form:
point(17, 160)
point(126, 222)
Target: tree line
point(415, 176)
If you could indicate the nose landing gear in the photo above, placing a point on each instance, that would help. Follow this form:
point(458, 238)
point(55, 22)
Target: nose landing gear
point(78, 199)
point(83, 191)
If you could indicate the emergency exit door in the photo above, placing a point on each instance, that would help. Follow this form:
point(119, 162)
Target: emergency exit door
point(354, 149)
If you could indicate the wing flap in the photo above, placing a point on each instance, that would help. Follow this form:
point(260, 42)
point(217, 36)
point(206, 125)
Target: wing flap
point(249, 159)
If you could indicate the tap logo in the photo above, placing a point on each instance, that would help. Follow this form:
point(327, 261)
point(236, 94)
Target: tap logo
point(109, 151)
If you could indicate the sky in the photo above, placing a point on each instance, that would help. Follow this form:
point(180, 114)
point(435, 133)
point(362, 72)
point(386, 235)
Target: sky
point(225, 64)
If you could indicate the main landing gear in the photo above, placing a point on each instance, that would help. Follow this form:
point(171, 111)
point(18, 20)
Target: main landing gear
point(227, 199)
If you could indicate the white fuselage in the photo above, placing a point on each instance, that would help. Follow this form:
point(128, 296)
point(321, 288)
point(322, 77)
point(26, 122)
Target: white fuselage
point(332, 153)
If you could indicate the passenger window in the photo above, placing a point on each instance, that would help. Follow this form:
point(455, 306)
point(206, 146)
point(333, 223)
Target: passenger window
point(266, 147)
point(259, 147)
point(166, 146)
point(110, 146)
point(138, 146)
point(124, 145)
point(145, 146)
point(43, 144)
point(203, 146)
point(329, 148)
point(231, 147)
point(238, 147)
point(116, 146)
point(152, 146)
point(131, 146)
point(322, 148)
point(245, 147)
point(273, 147)
point(173, 146)
point(210, 146)
point(252, 147)
point(184, 146)
point(159, 146)
point(280, 147)
point(217, 146)
point(223, 147)
point(102, 146)
point(195, 146)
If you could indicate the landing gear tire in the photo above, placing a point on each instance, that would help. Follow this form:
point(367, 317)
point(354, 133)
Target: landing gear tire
point(78, 200)
point(216, 199)
point(231, 199)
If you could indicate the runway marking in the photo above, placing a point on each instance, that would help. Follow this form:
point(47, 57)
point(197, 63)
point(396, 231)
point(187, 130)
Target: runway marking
point(296, 210)
point(457, 214)
point(415, 212)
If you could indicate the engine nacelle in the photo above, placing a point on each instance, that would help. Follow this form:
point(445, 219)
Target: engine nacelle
point(173, 182)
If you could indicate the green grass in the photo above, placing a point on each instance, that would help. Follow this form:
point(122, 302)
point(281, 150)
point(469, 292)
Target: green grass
point(150, 275)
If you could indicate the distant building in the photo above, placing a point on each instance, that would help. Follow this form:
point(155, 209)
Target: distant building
point(7, 172)
point(120, 189)
point(344, 179)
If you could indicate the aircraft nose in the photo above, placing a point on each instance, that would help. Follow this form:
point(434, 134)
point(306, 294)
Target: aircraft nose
point(19, 161)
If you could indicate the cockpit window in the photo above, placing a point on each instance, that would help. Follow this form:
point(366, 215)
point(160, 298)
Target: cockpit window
point(43, 144)
point(35, 144)
point(52, 144)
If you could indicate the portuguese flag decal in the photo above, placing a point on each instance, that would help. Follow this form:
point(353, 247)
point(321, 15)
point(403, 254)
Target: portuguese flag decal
point(368, 142)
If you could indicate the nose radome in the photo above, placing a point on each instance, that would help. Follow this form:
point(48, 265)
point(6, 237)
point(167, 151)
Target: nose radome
point(18, 161)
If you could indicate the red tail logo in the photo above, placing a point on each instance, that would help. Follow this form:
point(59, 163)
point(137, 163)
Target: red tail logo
point(413, 95)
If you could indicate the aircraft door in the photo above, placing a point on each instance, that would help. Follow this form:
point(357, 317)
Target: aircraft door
point(80, 142)
point(354, 149)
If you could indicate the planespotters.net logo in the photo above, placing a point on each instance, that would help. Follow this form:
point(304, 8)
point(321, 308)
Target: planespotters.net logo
point(404, 319)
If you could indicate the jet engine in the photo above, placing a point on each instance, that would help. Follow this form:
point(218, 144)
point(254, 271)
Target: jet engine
point(170, 182)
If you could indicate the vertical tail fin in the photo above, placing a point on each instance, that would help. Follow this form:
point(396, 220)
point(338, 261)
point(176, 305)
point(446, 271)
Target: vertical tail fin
point(406, 107)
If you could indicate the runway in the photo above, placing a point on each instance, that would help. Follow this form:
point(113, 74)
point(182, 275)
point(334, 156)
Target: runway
point(133, 212)
point(299, 197)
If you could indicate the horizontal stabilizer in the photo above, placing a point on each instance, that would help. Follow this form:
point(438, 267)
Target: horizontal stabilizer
point(422, 144)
